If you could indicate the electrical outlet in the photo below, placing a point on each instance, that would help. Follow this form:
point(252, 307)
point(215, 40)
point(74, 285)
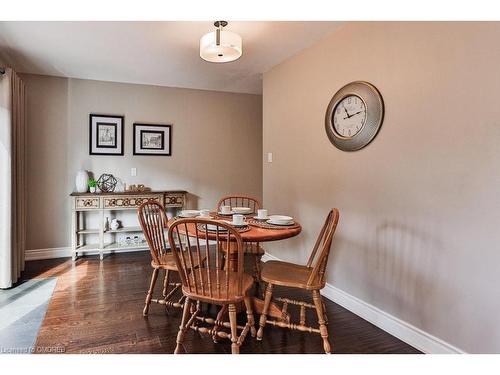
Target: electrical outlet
point(133, 171)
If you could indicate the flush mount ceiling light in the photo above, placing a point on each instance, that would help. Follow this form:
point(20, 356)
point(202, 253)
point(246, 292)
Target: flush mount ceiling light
point(220, 46)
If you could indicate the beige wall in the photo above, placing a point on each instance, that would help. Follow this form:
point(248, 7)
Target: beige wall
point(419, 230)
point(216, 145)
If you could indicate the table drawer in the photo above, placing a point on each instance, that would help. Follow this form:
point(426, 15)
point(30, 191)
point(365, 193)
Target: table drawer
point(87, 203)
point(132, 201)
point(174, 200)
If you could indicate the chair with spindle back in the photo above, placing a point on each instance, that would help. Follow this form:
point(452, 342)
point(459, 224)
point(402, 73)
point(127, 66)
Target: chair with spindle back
point(252, 249)
point(153, 221)
point(310, 277)
point(211, 283)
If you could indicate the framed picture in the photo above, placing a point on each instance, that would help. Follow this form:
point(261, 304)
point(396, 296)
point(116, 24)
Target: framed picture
point(152, 139)
point(106, 135)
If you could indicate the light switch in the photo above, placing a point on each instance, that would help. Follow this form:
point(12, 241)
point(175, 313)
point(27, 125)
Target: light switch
point(269, 157)
point(133, 171)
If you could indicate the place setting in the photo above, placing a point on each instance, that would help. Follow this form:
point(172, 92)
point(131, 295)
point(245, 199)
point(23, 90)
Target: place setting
point(229, 211)
point(241, 219)
point(263, 220)
point(238, 222)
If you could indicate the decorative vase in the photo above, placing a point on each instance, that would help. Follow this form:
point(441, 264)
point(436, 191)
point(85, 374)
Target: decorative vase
point(106, 224)
point(82, 179)
point(92, 189)
point(115, 224)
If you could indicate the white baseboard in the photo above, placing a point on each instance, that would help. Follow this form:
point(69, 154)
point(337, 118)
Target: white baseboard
point(65, 252)
point(404, 331)
point(55, 252)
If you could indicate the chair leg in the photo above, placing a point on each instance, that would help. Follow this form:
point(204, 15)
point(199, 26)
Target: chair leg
point(250, 318)
point(263, 317)
point(256, 275)
point(318, 303)
point(149, 296)
point(182, 327)
point(235, 348)
point(165, 283)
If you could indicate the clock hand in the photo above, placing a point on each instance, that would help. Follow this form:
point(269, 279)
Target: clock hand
point(357, 113)
point(347, 113)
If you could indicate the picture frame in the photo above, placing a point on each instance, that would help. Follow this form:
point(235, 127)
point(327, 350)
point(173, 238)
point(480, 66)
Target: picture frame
point(152, 139)
point(106, 134)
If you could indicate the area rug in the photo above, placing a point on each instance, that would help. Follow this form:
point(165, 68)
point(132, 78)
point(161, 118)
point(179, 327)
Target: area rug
point(22, 309)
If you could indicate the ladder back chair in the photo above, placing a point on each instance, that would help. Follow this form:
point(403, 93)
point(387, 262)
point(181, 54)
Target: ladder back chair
point(252, 249)
point(153, 221)
point(211, 283)
point(309, 277)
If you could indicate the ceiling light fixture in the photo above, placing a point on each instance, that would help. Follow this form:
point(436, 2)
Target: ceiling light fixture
point(220, 46)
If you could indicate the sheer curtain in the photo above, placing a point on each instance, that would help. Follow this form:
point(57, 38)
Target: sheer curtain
point(12, 177)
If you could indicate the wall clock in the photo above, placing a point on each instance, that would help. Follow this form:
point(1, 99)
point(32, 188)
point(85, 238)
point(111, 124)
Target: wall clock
point(354, 116)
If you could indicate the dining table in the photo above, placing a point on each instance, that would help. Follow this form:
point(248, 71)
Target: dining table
point(256, 232)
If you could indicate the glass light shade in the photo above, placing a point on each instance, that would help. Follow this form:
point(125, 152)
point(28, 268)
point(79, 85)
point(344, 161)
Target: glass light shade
point(229, 48)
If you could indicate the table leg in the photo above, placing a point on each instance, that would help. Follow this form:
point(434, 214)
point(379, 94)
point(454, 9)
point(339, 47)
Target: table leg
point(258, 304)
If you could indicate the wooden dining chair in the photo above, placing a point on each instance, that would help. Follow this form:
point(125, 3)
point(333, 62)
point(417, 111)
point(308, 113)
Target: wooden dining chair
point(211, 283)
point(252, 249)
point(309, 277)
point(153, 221)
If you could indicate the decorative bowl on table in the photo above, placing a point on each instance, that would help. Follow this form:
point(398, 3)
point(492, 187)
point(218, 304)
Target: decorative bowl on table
point(280, 220)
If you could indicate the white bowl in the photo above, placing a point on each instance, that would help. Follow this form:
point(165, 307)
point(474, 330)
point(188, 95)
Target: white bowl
point(189, 213)
point(241, 210)
point(280, 218)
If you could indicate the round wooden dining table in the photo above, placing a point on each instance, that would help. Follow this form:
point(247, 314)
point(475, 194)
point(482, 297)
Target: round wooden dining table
point(255, 235)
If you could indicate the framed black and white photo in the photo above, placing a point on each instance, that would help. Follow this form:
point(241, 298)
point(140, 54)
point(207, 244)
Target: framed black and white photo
point(152, 139)
point(106, 135)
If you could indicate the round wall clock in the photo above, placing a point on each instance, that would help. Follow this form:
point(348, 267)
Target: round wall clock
point(354, 116)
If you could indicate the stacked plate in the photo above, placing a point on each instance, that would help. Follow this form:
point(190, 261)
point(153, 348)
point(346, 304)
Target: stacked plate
point(213, 228)
point(280, 220)
point(189, 213)
point(241, 210)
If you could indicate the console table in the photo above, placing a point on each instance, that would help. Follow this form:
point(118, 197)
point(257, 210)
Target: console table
point(102, 203)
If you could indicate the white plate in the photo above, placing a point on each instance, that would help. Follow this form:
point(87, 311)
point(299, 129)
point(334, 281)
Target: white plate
point(235, 225)
point(223, 214)
point(261, 218)
point(280, 218)
point(241, 210)
point(280, 222)
point(189, 213)
point(213, 227)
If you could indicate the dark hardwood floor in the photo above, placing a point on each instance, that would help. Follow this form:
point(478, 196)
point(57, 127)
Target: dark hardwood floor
point(97, 308)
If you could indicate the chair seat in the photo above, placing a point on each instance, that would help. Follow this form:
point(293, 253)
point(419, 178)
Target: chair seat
point(288, 274)
point(167, 261)
point(219, 296)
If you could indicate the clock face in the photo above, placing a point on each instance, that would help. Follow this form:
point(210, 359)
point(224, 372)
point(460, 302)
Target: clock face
point(349, 116)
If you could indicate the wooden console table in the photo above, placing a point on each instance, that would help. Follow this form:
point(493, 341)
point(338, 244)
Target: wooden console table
point(82, 203)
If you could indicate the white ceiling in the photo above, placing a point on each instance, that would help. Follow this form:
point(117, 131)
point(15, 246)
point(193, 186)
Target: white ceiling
point(156, 53)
